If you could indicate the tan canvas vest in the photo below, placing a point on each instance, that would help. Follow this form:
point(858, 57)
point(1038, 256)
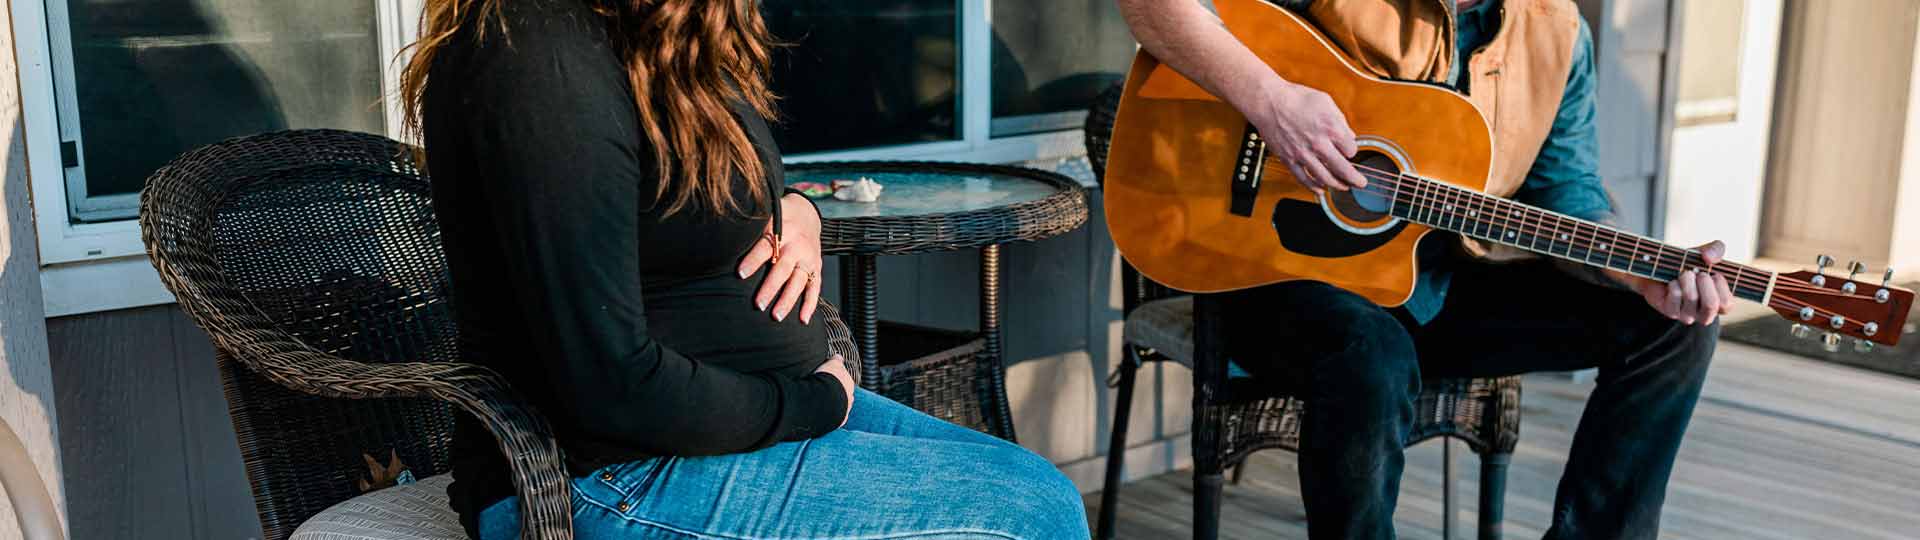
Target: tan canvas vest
point(1517, 79)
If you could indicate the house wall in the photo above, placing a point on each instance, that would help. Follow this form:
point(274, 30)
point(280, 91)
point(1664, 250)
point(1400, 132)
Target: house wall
point(1717, 172)
point(26, 382)
point(1630, 50)
point(147, 442)
point(1904, 253)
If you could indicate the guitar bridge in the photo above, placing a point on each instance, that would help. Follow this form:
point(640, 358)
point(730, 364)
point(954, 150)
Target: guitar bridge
point(1246, 173)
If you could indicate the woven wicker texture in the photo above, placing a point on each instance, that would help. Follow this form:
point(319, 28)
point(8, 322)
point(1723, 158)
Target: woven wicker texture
point(948, 377)
point(1238, 417)
point(893, 235)
point(313, 261)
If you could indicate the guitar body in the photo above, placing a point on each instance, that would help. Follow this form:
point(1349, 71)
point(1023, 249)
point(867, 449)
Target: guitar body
point(1182, 210)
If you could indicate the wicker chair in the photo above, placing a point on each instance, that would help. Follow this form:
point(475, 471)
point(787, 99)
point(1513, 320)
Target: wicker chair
point(1235, 417)
point(313, 260)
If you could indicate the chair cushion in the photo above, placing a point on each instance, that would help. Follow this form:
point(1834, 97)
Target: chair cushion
point(416, 511)
point(1164, 325)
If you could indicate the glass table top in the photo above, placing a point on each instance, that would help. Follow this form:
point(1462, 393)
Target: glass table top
point(922, 193)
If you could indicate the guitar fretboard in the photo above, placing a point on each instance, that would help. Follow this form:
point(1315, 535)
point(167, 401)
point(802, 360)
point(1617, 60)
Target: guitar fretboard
point(1541, 231)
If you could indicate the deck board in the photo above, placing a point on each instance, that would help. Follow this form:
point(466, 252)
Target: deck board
point(1781, 447)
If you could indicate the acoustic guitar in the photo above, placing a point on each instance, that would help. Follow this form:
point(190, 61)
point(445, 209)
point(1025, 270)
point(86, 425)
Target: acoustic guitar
point(1195, 201)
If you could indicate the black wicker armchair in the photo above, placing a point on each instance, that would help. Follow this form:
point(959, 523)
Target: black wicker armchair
point(1236, 417)
point(313, 260)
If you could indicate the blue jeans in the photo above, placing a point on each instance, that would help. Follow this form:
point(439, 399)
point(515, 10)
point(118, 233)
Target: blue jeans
point(1360, 367)
point(891, 472)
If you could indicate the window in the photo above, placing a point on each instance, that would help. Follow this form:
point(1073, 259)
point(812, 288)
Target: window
point(113, 89)
point(1050, 59)
point(142, 82)
point(1710, 61)
point(863, 73)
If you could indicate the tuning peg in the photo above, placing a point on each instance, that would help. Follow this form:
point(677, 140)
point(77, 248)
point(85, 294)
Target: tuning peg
point(1883, 295)
point(1831, 342)
point(1854, 268)
point(1861, 345)
point(1820, 264)
point(1800, 331)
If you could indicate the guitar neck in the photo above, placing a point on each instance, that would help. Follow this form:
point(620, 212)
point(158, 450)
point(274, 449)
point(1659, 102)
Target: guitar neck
point(1501, 221)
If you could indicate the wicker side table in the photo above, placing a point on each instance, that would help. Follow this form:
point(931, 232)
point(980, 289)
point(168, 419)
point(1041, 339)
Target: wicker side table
point(927, 207)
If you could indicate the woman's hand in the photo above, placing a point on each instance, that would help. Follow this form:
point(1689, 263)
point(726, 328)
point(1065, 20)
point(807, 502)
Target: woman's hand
point(794, 276)
point(837, 367)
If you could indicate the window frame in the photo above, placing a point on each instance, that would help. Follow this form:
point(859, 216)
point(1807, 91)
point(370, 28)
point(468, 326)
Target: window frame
point(93, 267)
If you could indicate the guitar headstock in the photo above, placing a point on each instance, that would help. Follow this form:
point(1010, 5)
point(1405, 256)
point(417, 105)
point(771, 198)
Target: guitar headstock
point(1868, 312)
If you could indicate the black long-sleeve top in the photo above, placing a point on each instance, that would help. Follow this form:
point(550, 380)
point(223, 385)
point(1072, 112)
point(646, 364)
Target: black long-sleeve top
point(628, 329)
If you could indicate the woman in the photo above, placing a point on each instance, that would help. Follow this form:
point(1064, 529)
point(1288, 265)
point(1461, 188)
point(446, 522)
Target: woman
point(612, 209)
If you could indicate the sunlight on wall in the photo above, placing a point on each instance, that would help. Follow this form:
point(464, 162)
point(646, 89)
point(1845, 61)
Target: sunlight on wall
point(1717, 173)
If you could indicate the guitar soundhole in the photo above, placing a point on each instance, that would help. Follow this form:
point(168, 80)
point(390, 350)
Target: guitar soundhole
point(1368, 205)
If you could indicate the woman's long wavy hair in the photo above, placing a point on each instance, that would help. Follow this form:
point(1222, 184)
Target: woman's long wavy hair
point(687, 62)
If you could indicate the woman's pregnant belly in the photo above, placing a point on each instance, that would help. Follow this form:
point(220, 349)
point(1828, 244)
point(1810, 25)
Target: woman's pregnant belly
point(713, 320)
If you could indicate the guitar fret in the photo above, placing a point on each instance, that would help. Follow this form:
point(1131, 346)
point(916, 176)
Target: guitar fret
point(1607, 246)
point(1560, 231)
point(1419, 194)
point(1460, 212)
point(1651, 258)
point(1400, 183)
point(1477, 215)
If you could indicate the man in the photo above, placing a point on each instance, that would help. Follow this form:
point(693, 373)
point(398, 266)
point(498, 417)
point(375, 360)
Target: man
point(1359, 364)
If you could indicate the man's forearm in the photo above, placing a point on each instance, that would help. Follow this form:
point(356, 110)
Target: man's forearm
point(1185, 36)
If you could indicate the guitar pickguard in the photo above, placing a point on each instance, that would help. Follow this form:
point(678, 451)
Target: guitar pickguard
point(1304, 228)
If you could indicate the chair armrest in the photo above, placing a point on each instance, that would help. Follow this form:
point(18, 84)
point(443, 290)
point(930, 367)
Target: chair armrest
point(840, 339)
point(524, 437)
point(1503, 425)
point(32, 506)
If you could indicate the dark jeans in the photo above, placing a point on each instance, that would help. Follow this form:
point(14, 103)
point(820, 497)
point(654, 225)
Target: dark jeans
point(1360, 366)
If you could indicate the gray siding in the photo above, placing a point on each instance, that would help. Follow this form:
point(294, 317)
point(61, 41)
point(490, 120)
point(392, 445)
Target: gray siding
point(148, 446)
point(1634, 102)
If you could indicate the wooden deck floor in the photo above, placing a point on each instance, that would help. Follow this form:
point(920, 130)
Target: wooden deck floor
point(1780, 448)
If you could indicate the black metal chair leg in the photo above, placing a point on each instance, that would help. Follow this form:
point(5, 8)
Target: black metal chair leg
point(1207, 491)
point(1117, 444)
point(1493, 493)
point(1237, 469)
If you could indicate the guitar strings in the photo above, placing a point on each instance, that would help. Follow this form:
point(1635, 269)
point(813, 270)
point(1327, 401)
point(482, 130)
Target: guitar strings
point(1431, 192)
point(1413, 198)
point(1445, 194)
point(1459, 197)
point(1744, 277)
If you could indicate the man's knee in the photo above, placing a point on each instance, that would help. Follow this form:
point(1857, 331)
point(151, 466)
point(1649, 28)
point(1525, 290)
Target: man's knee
point(1684, 350)
point(1377, 361)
